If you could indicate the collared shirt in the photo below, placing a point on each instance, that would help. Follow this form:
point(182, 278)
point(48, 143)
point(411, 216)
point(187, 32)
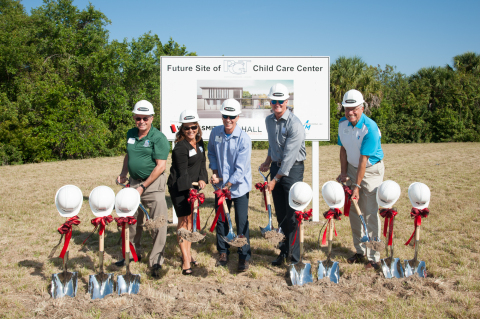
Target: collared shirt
point(361, 139)
point(231, 157)
point(142, 152)
point(286, 139)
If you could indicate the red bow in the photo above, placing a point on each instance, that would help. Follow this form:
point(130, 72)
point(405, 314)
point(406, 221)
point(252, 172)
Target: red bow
point(66, 229)
point(261, 188)
point(102, 222)
point(388, 214)
point(417, 215)
point(193, 195)
point(221, 194)
point(123, 221)
point(348, 201)
point(332, 213)
point(299, 217)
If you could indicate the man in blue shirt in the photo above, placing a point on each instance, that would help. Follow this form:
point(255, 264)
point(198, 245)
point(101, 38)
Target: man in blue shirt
point(229, 152)
point(361, 160)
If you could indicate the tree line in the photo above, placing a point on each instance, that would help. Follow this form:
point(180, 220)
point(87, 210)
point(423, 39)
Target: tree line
point(67, 92)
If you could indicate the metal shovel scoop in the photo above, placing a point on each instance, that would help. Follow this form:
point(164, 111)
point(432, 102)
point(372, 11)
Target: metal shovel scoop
point(193, 236)
point(64, 283)
point(130, 283)
point(415, 266)
point(101, 284)
point(329, 268)
point(231, 238)
point(391, 267)
point(266, 195)
point(301, 272)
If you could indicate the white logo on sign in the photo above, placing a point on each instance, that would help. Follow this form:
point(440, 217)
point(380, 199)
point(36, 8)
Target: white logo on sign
point(235, 67)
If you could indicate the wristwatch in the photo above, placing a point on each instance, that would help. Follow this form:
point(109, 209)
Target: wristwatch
point(276, 179)
point(144, 188)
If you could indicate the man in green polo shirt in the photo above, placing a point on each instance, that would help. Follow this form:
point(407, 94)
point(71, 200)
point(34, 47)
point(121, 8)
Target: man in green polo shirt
point(145, 161)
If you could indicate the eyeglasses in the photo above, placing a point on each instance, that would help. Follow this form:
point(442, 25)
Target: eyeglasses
point(194, 127)
point(352, 109)
point(277, 101)
point(145, 119)
point(232, 117)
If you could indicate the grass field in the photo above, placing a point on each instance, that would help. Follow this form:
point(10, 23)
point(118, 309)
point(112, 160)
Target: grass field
point(449, 246)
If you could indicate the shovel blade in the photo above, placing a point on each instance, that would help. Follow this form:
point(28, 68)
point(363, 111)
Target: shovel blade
point(329, 269)
point(128, 284)
point(386, 268)
point(300, 273)
point(265, 229)
point(64, 284)
point(100, 285)
point(396, 268)
point(415, 267)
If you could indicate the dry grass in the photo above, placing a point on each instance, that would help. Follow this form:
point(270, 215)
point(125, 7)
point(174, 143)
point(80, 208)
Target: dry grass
point(28, 220)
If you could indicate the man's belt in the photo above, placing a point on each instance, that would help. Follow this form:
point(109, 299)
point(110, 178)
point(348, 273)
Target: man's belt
point(279, 164)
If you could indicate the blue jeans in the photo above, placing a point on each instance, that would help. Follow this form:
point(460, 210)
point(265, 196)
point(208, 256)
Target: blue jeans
point(286, 214)
point(241, 220)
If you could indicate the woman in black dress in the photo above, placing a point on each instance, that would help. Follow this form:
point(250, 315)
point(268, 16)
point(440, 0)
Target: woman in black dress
point(188, 165)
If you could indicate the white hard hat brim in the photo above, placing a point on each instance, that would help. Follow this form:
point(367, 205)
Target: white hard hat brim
point(136, 204)
point(295, 206)
point(412, 201)
point(381, 203)
point(332, 205)
point(272, 97)
point(60, 210)
point(106, 212)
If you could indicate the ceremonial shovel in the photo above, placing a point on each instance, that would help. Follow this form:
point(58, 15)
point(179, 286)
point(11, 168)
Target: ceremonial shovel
point(329, 268)
point(64, 283)
point(193, 236)
point(416, 266)
point(129, 283)
point(266, 195)
point(300, 273)
point(365, 237)
point(102, 284)
point(391, 267)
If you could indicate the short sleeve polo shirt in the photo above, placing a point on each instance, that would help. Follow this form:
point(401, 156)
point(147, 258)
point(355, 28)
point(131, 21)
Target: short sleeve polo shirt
point(143, 152)
point(361, 139)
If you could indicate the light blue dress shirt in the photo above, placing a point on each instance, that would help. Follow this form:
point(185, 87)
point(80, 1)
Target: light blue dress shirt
point(230, 156)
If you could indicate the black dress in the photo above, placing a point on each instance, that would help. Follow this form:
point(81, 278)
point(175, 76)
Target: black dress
point(188, 165)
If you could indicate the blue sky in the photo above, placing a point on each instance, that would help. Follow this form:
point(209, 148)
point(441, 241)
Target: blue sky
point(407, 34)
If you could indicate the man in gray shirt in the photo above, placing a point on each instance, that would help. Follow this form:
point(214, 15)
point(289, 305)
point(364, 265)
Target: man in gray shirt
point(286, 153)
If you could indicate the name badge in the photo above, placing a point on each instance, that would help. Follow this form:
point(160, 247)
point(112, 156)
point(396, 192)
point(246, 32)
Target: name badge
point(201, 149)
point(218, 139)
point(192, 153)
point(346, 131)
point(131, 140)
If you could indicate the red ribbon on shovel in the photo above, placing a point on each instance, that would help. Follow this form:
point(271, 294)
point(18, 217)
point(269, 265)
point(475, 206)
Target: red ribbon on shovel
point(195, 195)
point(417, 215)
point(221, 195)
point(299, 217)
point(130, 221)
point(102, 222)
point(66, 229)
point(348, 194)
point(261, 188)
point(388, 214)
point(332, 213)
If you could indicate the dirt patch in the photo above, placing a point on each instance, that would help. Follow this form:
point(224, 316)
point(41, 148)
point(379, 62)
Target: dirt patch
point(155, 224)
point(375, 245)
point(239, 241)
point(274, 237)
point(189, 236)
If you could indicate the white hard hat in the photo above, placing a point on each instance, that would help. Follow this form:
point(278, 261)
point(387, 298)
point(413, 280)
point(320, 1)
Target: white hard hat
point(101, 200)
point(278, 92)
point(188, 116)
point(419, 195)
point(352, 98)
point(143, 107)
point(300, 195)
point(231, 107)
point(69, 200)
point(126, 202)
point(388, 193)
point(333, 194)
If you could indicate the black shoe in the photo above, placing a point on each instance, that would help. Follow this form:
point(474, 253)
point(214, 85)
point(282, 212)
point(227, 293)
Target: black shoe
point(121, 263)
point(187, 272)
point(242, 265)
point(223, 260)
point(279, 261)
point(155, 270)
point(373, 265)
point(357, 259)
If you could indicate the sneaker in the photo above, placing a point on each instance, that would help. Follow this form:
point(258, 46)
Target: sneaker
point(156, 270)
point(242, 265)
point(223, 260)
point(357, 259)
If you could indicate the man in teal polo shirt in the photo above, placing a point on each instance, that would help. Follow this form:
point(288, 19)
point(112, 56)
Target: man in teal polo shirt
point(145, 161)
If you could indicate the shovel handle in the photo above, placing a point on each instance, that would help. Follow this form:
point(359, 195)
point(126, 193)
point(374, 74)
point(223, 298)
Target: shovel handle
point(194, 183)
point(417, 234)
point(357, 209)
point(127, 242)
point(101, 241)
point(267, 196)
point(330, 229)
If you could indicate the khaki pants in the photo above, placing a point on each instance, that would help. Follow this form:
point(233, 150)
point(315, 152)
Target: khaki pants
point(368, 205)
point(153, 199)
